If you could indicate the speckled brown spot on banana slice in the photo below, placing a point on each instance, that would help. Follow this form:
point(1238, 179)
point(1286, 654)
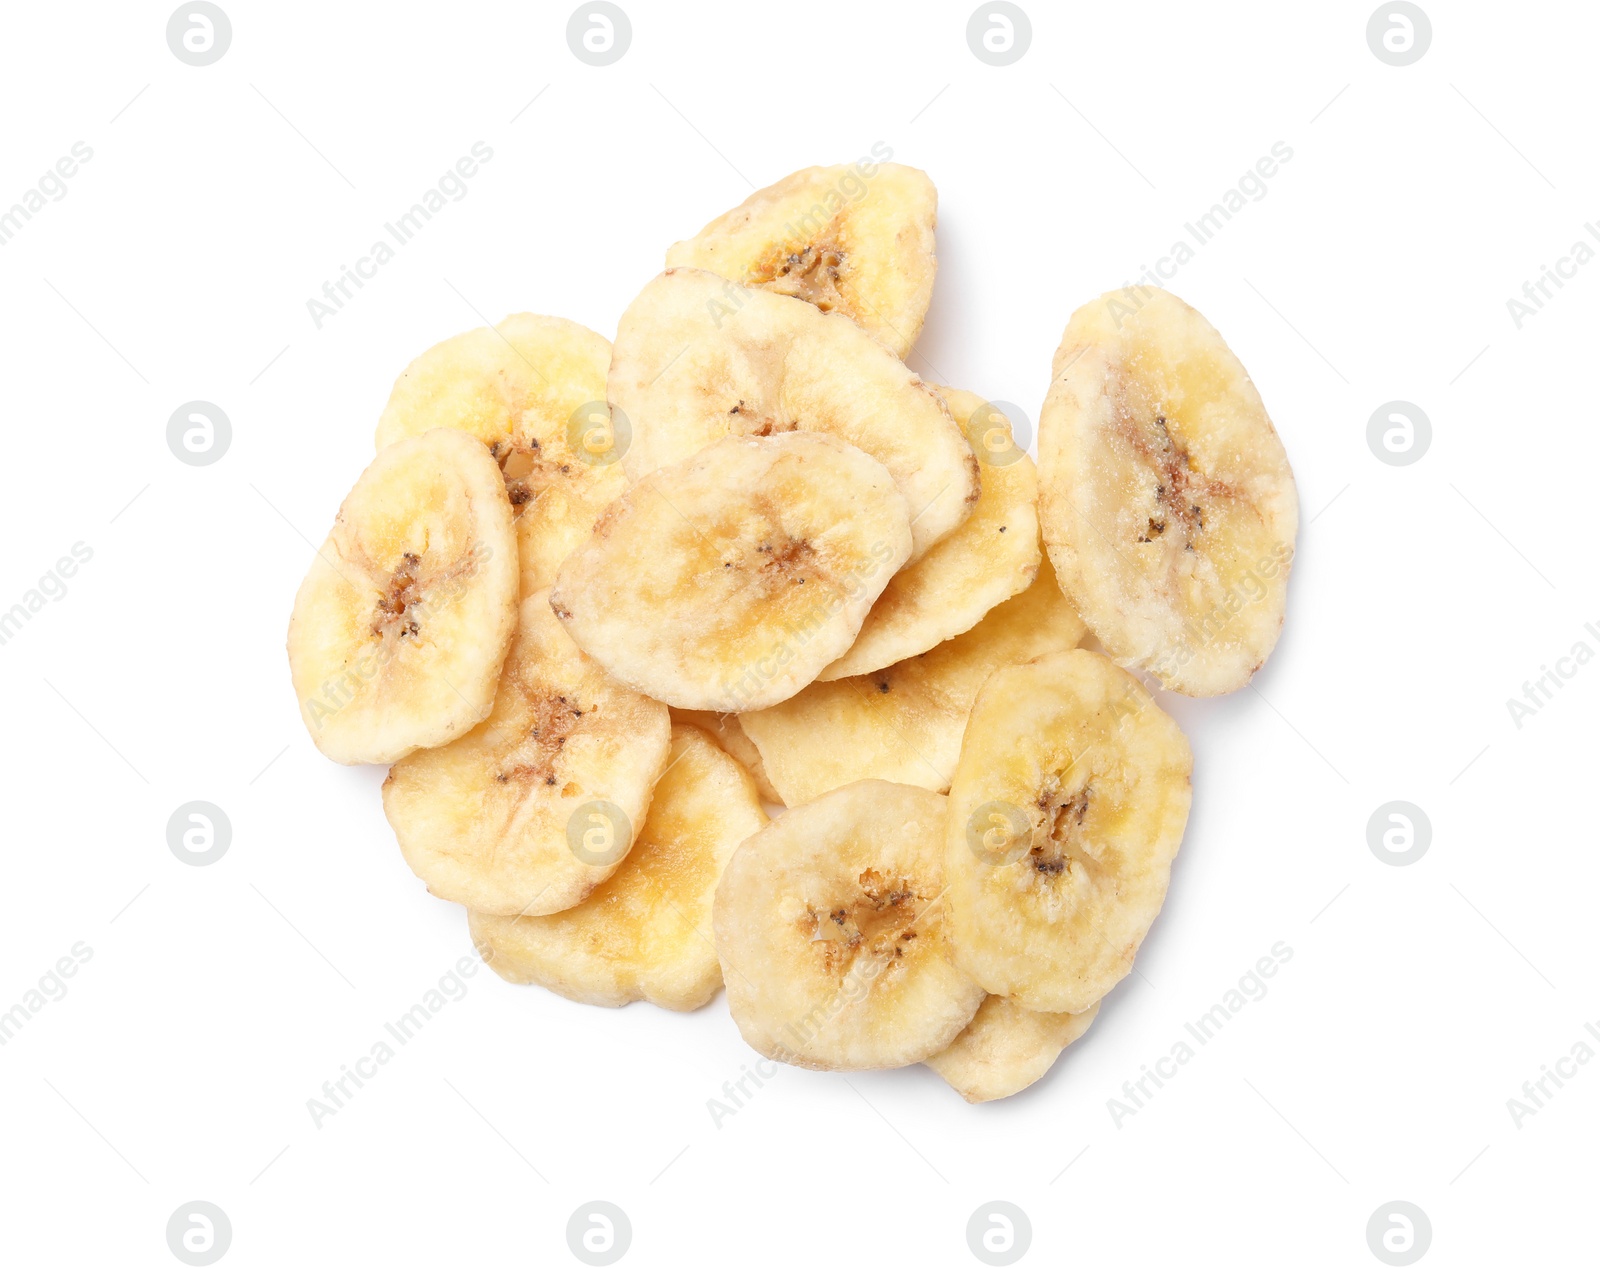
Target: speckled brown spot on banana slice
point(1058, 838)
point(533, 761)
point(878, 919)
point(527, 472)
point(813, 273)
point(1179, 488)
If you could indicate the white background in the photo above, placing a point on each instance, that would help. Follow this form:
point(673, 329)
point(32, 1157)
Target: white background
point(219, 998)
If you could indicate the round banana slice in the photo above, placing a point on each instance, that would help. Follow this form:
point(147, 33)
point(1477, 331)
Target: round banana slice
point(728, 581)
point(646, 932)
point(1006, 1048)
point(1066, 811)
point(989, 558)
point(856, 239)
point(401, 625)
point(904, 723)
point(528, 812)
point(698, 358)
point(831, 934)
point(725, 729)
point(532, 389)
point(1166, 499)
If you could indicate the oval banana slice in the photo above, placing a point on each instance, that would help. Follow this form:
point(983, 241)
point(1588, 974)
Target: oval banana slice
point(1006, 1048)
point(728, 581)
point(529, 811)
point(1166, 498)
point(698, 358)
point(989, 558)
point(855, 238)
point(533, 389)
point(401, 625)
point(831, 933)
point(1066, 811)
point(646, 932)
point(904, 722)
point(725, 729)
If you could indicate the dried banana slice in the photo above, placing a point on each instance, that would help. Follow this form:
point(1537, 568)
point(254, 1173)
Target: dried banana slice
point(725, 729)
point(1006, 1048)
point(831, 934)
point(698, 358)
point(991, 557)
point(1166, 499)
point(728, 581)
point(528, 812)
point(904, 723)
point(401, 625)
point(855, 239)
point(533, 389)
point(646, 932)
point(1065, 814)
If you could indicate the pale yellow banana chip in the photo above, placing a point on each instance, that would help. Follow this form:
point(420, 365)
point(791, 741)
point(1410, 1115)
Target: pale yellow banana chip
point(831, 935)
point(529, 811)
point(534, 390)
point(989, 558)
point(698, 358)
point(1165, 496)
point(646, 932)
point(1006, 1048)
point(725, 729)
point(728, 581)
point(1066, 811)
point(854, 238)
point(904, 723)
point(401, 625)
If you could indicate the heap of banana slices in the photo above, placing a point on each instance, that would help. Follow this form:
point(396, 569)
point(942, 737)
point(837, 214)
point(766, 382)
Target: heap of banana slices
point(734, 654)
